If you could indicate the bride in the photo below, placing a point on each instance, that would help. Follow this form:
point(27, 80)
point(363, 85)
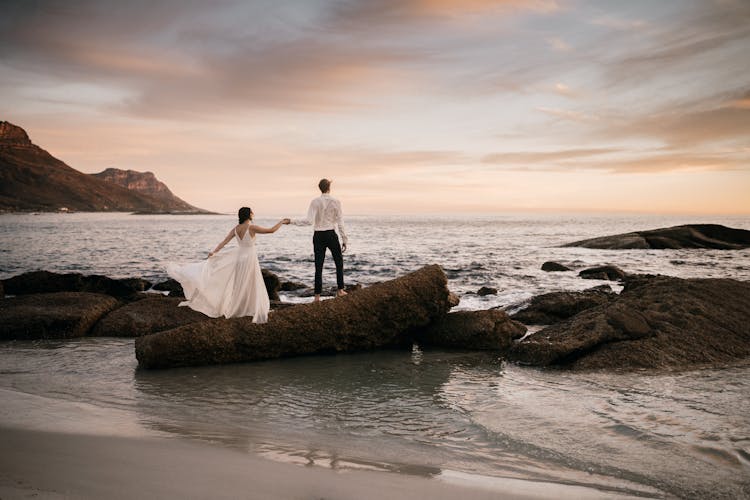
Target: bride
point(229, 284)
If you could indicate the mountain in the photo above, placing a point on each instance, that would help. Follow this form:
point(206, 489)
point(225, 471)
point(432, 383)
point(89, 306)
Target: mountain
point(33, 179)
point(144, 183)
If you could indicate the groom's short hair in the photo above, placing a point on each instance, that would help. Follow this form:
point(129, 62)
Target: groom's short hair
point(324, 185)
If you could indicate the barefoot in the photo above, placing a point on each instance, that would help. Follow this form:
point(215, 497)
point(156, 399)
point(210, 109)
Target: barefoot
point(317, 298)
point(341, 293)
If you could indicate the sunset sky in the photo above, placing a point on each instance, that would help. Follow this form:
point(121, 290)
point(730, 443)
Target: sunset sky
point(411, 106)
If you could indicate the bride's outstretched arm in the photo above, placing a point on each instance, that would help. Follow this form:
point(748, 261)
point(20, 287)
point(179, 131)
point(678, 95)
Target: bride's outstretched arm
point(267, 230)
point(229, 237)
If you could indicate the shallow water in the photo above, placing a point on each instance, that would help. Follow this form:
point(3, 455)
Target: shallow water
point(431, 413)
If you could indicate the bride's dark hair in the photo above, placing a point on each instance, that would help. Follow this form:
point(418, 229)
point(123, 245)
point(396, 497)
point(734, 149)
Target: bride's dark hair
point(244, 213)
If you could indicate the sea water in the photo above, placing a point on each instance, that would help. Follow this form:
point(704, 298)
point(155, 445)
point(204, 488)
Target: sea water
point(444, 414)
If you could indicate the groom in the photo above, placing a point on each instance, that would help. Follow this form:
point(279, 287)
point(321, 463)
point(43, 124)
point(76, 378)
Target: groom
point(325, 216)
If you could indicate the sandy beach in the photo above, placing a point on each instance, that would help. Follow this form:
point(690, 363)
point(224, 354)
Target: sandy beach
point(74, 450)
point(51, 465)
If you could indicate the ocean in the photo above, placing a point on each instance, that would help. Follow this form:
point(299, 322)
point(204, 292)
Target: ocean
point(443, 414)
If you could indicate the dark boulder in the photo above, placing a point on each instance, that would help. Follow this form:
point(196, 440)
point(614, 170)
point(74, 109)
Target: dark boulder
point(656, 322)
point(52, 315)
point(550, 266)
point(273, 284)
point(486, 290)
point(608, 272)
point(48, 282)
point(550, 308)
point(481, 330)
point(380, 315)
point(172, 286)
point(688, 236)
point(146, 316)
point(291, 286)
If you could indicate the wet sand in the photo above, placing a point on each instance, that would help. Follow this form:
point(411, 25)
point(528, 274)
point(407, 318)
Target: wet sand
point(53, 449)
point(52, 465)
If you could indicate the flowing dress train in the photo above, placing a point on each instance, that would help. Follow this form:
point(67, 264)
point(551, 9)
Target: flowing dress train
point(229, 284)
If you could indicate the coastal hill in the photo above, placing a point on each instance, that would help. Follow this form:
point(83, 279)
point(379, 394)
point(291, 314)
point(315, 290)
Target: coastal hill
point(33, 179)
point(144, 183)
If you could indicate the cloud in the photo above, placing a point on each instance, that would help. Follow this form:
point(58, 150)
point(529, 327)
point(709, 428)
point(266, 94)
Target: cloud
point(546, 157)
point(559, 44)
point(619, 160)
point(566, 114)
point(691, 125)
point(699, 32)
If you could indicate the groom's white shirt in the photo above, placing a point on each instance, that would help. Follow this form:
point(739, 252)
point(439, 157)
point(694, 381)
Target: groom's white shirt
point(325, 214)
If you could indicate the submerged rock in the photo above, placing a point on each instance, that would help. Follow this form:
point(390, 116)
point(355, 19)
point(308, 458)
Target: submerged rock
point(656, 322)
point(486, 290)
point(550, 308)
point(688, 236)
point(380, 315)
point(146, 316)
point(550, 266)
point(482, 330)
point(49, 282)
point(608, 272)
point(52, 315)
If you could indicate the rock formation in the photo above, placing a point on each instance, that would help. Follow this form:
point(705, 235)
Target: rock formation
point(608, 272)
point(480, 330)
point(656, 322)
point(550, 308)
point(688, 236)
point(381, 315)
point(550, 266)
point(52, 315)
point(47, 282)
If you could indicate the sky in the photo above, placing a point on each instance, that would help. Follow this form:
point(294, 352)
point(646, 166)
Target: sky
point(410, 106)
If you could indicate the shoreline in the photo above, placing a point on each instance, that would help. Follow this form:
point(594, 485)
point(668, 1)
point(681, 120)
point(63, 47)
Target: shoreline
point(78, 450)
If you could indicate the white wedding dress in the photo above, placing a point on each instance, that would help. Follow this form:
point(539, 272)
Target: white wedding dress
point(229, 284)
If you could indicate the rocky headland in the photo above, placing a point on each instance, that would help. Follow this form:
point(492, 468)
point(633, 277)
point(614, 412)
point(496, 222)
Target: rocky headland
point(713, 236)
point(31, 179)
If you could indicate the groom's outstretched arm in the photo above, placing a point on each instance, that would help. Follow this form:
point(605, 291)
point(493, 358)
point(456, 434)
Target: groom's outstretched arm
point(309, 220)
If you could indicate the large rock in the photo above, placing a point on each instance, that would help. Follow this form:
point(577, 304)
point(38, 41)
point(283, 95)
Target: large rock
point(608, 272)
point(52, 315)
point(687, 236)
point(172, 286)
point(380, 315)
point(273, 284)
point(656, 322)
point(146, 316)
point(550, 308)
point(553, 267)
point(482, 330)
point(48, 282)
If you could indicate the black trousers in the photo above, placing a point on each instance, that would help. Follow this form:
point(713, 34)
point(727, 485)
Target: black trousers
point(323, 240)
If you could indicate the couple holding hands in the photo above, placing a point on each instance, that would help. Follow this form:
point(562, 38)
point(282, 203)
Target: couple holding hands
point(230, 283)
